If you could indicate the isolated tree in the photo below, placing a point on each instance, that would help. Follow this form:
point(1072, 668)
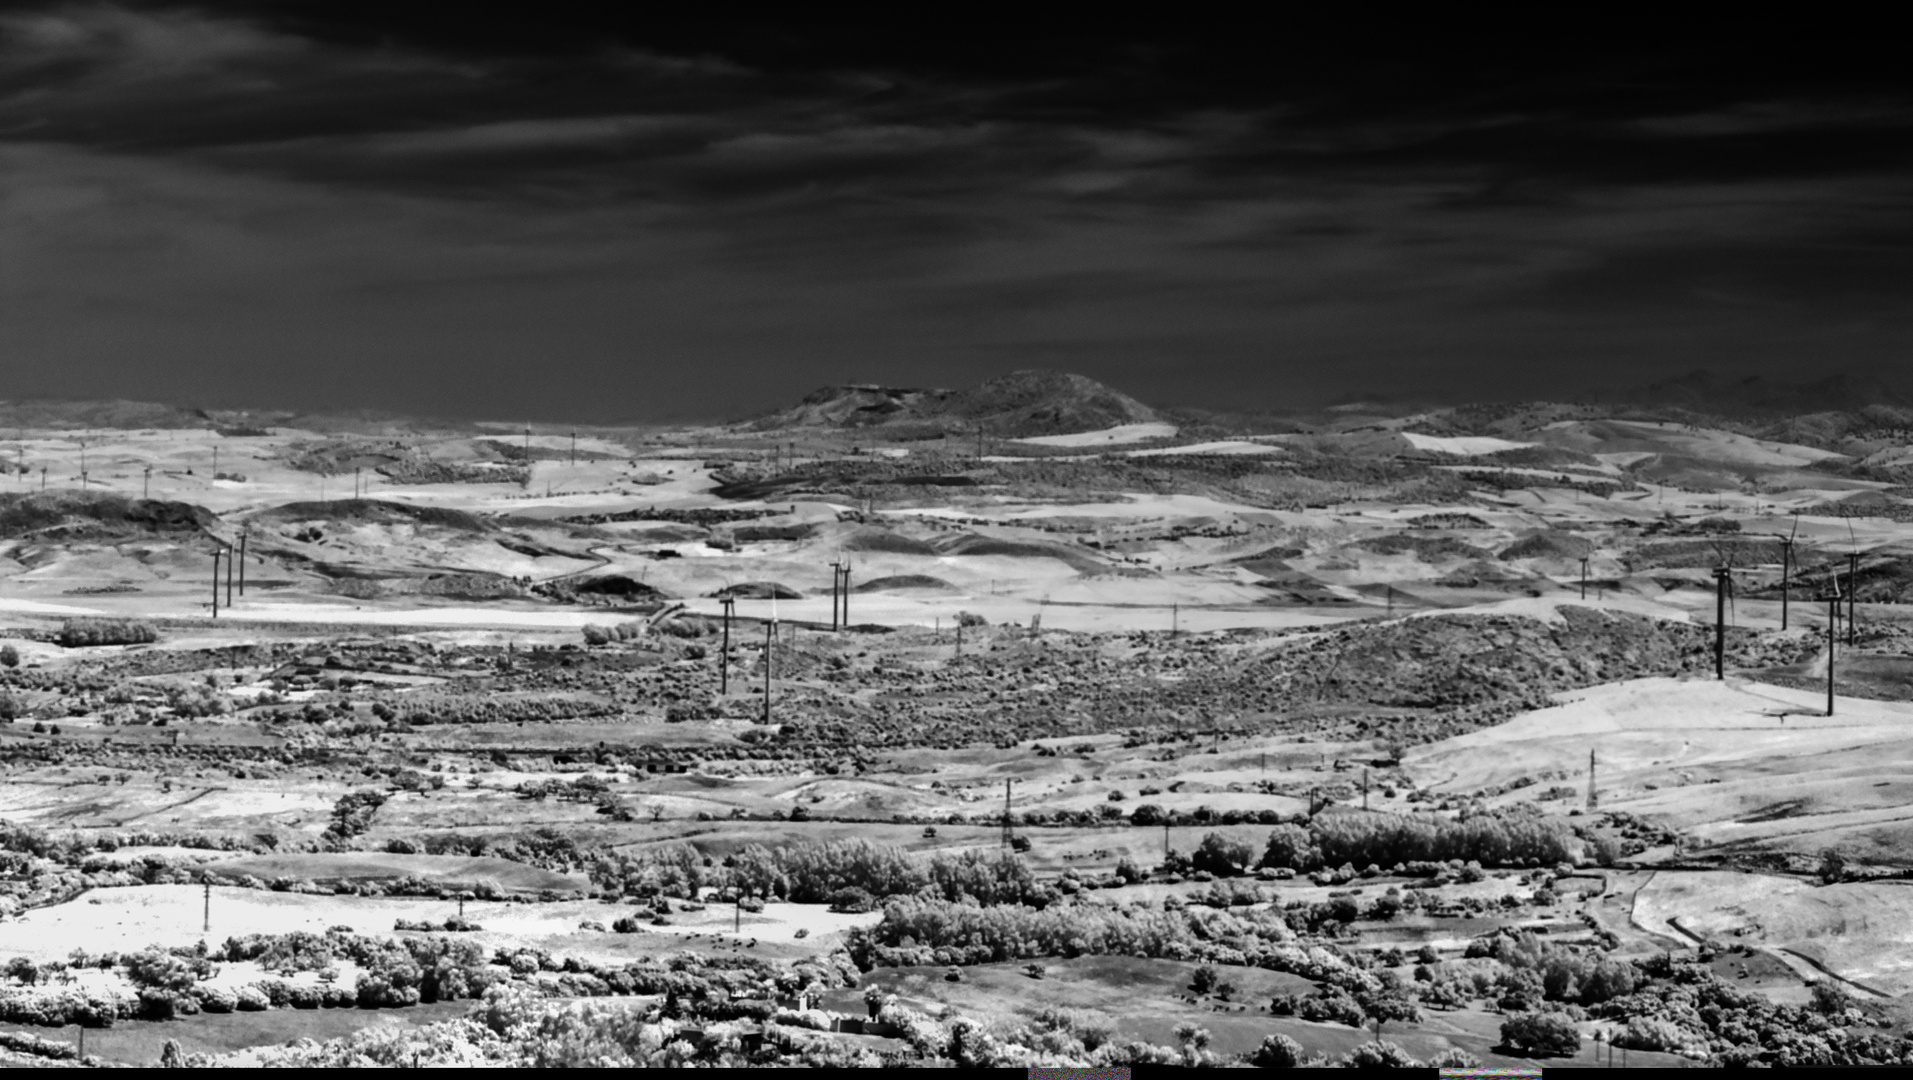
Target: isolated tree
point(1222, 856)
point(1833, 866)
point(9, 656)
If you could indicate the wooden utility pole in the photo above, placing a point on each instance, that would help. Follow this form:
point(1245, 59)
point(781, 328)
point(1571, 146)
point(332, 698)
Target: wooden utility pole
point(358, 483)
point(574, 448)
point(1364, 789)
point(1009, 837)
point(243, 534)
point(215, 583)
point(836, 581)
point(846, 596)
point(229, 561)
point(724, 655)
point(1584, 577)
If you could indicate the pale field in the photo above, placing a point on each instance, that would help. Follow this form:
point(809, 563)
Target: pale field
point(170, 916)
point(1860, 931)
point(1114, 436)
point(1734, 764)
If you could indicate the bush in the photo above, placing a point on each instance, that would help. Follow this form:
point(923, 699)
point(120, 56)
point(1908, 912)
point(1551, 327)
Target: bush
point(217, 999)
point(1378, 1054)
point(9, 656)
point(1541, 1034)
point(1277, 1052)
point(1454, 1058)
point(252, 999)
point(1655, 1034)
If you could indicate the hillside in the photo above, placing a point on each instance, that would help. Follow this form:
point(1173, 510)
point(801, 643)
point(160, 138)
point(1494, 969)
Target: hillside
point(1019, 404)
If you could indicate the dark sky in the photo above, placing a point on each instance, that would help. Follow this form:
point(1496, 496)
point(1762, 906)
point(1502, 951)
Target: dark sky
point(550, 216)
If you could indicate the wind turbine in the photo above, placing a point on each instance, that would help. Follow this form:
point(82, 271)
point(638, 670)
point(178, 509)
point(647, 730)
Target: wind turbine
point(1786, 569)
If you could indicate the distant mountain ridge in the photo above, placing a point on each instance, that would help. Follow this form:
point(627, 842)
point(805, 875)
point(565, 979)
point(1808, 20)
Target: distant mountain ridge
point(1706, 391)
point(1020, 404)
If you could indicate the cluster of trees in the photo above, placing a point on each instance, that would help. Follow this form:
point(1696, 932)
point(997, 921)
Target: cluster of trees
point(78, 633)
point(921, 930)
point(825, 872)
point(1361, 838)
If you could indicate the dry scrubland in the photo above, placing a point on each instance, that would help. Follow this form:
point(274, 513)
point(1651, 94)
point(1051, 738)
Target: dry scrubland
point(1294, 722)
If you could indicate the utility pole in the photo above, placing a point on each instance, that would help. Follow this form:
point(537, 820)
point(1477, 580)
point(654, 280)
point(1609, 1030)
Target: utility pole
point(959, 652)
point(1853, 596)
point(146, 487)
point(724, 656)
point(770, 641)
point(43, 478)
point(1584, 577)
point(1008, 832)
point(215, 583)
point(83, 463)
point(1594, 797)
point(574, 448)
point(358, 487)
point(1165, 839)
point(1723, 578)
point(846, 596)
point(1175, 619)
point(1364, 789)
point(1833, 619)
point(1786, 579)
point(229, 561)
point(836, 581)
point(243, 534)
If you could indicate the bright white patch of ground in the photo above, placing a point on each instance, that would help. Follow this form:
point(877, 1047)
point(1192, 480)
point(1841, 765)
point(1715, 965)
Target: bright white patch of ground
point(1115, 436)
point(1547, 608)
point(1224, 446)
point(1466, 445)
point(35, 607)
